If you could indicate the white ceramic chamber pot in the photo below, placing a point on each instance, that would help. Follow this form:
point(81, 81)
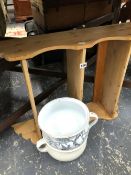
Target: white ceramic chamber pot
point(65, 123)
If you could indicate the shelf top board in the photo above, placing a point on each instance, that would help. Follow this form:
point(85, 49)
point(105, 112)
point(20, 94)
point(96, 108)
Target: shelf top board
point(25, 48)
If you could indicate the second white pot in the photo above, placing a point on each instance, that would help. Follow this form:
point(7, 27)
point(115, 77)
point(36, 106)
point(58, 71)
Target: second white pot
point(61, 155)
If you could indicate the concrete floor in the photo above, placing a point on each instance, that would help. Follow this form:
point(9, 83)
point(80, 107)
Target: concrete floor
point(108, 151)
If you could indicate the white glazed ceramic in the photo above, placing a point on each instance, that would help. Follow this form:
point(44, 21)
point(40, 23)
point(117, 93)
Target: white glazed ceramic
point(65, 125)
point(61, 155)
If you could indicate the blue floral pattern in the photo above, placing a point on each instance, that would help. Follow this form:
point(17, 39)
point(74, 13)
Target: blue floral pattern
point(67, 143)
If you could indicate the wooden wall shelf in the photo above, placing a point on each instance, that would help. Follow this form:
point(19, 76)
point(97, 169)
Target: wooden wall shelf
point(114, 48)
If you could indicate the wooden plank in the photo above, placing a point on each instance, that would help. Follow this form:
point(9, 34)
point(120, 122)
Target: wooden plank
point(27, 130)
point(75, 75)
point(100, 65)
point(39, 71)
point(116, 61)
point(25, 48)
point(2, 21)
point(30, 93)
point(100, 111)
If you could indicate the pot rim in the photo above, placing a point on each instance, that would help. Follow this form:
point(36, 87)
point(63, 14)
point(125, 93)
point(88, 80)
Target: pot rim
point(84, 107)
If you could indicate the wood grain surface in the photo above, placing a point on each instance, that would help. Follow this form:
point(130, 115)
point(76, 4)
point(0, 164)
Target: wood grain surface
point(30, 94)
point(75, 75)
point(25, 48)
